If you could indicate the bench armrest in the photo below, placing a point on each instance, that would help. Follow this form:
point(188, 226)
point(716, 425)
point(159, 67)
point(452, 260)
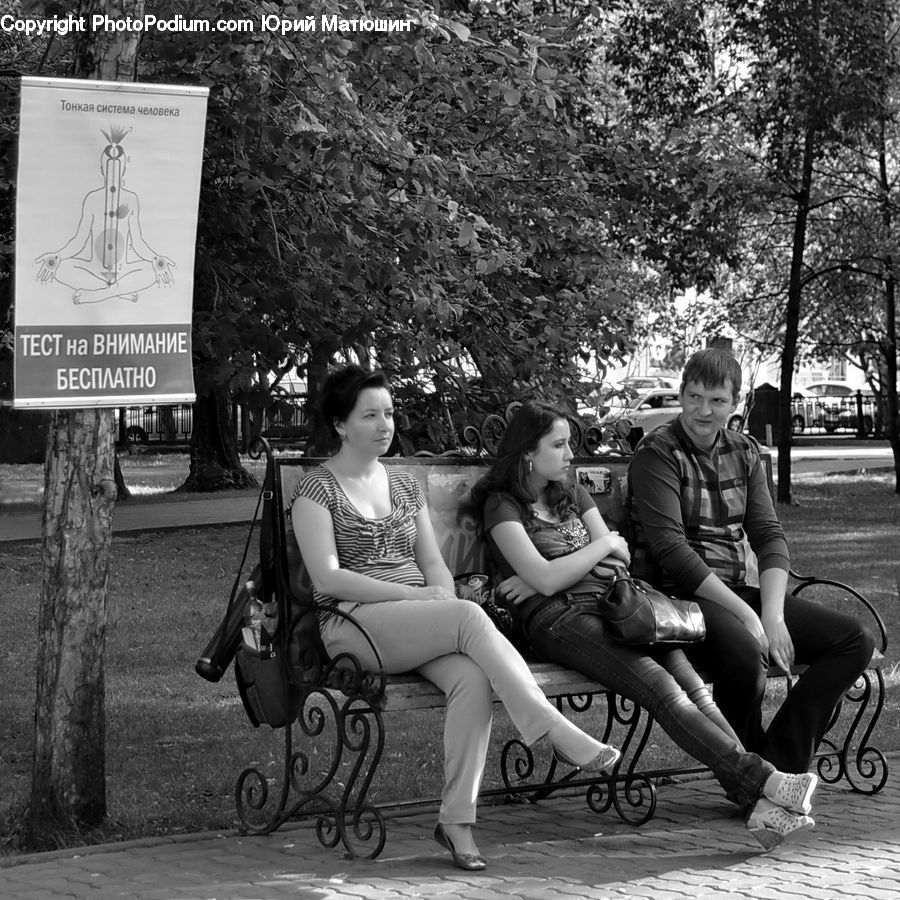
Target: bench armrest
point(809, 581)
point(347, 674)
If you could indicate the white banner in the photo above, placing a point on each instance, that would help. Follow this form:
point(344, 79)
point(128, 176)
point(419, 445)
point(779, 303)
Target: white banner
point(106, 224)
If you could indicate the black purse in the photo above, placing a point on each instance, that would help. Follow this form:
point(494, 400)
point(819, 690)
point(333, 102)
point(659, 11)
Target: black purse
point(477, 587)
point(635, 612)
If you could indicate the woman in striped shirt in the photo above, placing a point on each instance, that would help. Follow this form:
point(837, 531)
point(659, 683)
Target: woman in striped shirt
point(367, 541)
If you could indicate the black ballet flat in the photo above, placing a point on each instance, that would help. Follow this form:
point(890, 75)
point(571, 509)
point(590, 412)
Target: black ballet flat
point(471, 862)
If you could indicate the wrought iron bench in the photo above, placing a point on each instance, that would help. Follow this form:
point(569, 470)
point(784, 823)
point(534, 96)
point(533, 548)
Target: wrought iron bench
point(334, 732)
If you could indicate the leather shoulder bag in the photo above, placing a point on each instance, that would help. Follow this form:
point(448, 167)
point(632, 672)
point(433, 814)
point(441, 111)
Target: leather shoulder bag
point(635, 612)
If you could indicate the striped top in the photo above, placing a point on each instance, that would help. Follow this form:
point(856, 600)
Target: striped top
point(690, 510)
point(380, 548)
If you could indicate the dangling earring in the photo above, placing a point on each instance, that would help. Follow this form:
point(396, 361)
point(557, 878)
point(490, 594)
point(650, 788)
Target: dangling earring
point(529, 465)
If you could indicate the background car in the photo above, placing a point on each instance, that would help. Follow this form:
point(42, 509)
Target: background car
point(655, 407)
point(647, 411)
point(595, 399)
point(601, 401)
point(640, 383)
point(832, 405)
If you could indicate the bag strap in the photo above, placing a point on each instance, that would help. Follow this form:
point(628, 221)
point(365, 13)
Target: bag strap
point(237, 577)
point(271, 532)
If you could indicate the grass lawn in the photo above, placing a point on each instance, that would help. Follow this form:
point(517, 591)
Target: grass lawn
point(149, 475)
point(176, 743)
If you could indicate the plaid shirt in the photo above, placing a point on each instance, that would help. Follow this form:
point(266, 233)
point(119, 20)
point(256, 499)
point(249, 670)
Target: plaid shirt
point(690, 510)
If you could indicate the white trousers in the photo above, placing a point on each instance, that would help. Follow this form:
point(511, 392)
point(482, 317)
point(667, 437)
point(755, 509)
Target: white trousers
point(455, 645)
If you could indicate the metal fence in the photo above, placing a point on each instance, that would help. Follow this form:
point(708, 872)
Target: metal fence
point(857, 414)
point(853, 414)
point(170, 424)
point(286, 423)
point(173, 424)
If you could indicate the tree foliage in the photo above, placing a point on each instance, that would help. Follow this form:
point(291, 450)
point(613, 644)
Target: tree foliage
point(788, 88)
point(442, 204)
point(468, 205)
point(423, 202)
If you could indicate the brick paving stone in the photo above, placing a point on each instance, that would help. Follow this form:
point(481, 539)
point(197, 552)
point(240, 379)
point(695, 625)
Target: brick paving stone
point(564, 890)
point(481, 893)
point(795, 890)
point(675, 886)
point(872, 892)
point(505, 889)
point(638, 890)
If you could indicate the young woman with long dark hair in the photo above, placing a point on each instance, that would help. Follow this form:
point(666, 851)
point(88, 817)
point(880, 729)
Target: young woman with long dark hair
point(547, 535)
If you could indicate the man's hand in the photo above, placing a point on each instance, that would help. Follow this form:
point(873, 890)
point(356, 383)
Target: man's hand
point(781, 647)
point(515, 590)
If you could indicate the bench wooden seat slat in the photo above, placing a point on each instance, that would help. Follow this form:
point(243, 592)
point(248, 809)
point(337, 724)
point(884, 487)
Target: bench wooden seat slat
point(412, 691)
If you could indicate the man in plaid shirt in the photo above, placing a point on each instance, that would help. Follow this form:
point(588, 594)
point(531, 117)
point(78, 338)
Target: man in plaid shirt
point(696, 491)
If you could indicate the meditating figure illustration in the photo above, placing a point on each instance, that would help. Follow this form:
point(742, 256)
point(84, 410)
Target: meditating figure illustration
point(107, 257)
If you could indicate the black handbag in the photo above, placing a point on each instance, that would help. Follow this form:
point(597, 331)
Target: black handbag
point(635, 612)
point(477, 587)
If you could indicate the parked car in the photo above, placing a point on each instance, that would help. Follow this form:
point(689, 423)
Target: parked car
point(657, 406)
point(647, 411)
point(832, 405)
point(596, 399)
point(640, 383)
point(608, 399)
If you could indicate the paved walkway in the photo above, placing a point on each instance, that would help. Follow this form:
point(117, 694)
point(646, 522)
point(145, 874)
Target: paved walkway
point(138, 515)
point(696, 847)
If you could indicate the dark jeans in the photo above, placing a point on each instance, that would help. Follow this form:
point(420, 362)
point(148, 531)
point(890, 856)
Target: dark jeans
point(568, 631)
point(834, 645)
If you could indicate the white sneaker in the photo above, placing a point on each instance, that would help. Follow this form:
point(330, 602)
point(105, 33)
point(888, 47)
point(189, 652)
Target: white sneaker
point(794, 792)
point(770, 824)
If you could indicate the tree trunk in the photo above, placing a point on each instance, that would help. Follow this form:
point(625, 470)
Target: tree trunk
point(889, 345)
point(68, 788)
point(319, 358)
point(792, 318)
point(215, 461)
point(889, 388)
point(123, 492)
